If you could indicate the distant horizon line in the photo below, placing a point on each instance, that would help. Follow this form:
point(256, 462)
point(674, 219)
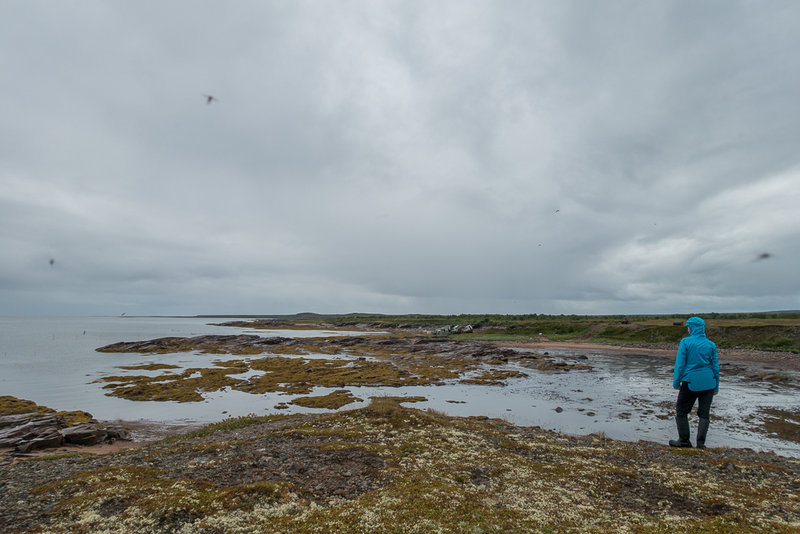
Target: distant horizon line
point(415, 314)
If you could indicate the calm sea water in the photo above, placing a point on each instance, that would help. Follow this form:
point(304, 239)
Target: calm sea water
point(53, 362)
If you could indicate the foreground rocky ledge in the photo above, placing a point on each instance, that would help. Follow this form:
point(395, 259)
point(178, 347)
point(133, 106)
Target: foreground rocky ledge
point(388, 468)
point(26, 427)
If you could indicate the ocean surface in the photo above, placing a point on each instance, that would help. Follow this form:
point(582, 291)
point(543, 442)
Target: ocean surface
point(53, 362)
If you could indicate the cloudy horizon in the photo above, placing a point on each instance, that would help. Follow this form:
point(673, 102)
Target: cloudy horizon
point(390, 157)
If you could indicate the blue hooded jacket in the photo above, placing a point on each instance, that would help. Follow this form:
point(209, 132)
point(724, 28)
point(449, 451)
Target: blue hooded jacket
point(697, 362)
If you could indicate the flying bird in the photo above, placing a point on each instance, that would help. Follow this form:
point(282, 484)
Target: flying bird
point(763, 256)
point(52, 261)
point(210, 99)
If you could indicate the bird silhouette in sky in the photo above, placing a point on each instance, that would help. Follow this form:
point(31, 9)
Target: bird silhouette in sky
point(210, 98)
point(52, 261)
point(764, 256)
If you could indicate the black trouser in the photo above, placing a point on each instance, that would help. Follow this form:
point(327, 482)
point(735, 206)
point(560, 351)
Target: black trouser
point(686, 398)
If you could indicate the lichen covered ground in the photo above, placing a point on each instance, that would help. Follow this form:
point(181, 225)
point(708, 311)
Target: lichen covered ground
point(389, 468)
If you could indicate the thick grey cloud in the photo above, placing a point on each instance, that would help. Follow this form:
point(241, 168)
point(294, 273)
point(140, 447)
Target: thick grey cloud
point(445, 157)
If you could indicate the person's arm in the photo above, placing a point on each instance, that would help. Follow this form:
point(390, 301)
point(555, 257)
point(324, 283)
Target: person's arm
point(680, 365)
point(715, 368)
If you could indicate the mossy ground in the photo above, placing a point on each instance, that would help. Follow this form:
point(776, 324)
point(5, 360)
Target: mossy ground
point(419, 471)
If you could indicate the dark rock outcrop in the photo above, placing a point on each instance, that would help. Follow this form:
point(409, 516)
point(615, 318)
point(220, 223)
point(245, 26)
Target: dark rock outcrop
point(31, 431)
point(31, 427)
point(52, 439)
point(83, 434)
point(207, 343)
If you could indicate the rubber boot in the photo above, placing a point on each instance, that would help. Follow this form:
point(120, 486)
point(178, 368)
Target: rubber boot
point(682, 422)
point(702, 430)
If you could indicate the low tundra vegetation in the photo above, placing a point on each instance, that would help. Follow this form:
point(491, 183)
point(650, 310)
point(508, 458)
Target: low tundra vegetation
point(398, 469)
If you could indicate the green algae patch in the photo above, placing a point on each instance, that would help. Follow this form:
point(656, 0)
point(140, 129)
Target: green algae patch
point(12, 405)
point(187, 386)
point(290, 375)
point(333, 400)
point(493, 377)
point(74, 417)
point(300, 375)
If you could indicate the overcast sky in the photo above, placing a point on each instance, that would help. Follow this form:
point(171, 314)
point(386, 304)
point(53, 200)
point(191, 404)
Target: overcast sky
point(399, 157)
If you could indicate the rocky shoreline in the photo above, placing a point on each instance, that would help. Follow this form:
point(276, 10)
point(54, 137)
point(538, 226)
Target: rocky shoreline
point(28, 432)
point(26, 427)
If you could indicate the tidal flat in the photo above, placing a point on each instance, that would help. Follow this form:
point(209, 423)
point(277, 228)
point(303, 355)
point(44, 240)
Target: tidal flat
point(626, 395)
point(288, 366)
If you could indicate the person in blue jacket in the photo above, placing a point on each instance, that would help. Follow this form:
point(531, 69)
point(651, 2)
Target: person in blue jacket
point(696, 377)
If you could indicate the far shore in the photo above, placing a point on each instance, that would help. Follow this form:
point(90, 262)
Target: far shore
point(779, 360)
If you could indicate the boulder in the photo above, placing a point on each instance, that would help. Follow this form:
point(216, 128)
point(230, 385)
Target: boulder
point(117, 432)
point(83, 434)
point(46, 441)
point(27, 432)
point(32, 429)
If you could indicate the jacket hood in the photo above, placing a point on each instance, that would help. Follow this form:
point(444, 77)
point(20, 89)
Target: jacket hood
point(696, 325)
